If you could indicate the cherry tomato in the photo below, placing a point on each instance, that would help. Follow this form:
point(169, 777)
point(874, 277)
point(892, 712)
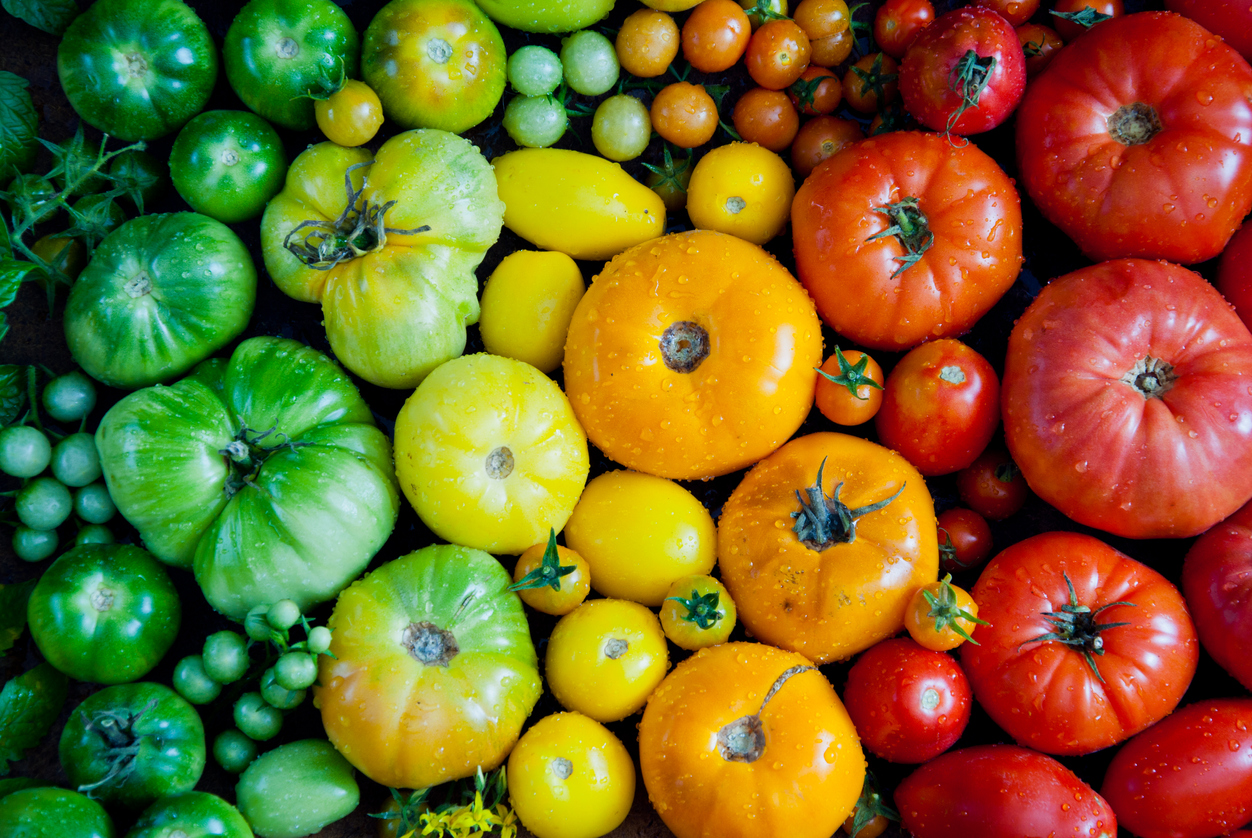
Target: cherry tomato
point(827, 52)
point(1039, 45)
point(897, 23)
point(1016, 12)
point(870, 83)
point(684, 114)
point(849, 387)
point(964, 539)
point(777, 54)
point(698, 612)
point(822, 18)
point(551, 578)
point(941, 616)
point(1072, 17)
point(760, 11)
point(993, 485)
point(715, 35)
point(647, 42)
point(820, 138)
point(817, 91)
point(351, 116)
point(767, 118)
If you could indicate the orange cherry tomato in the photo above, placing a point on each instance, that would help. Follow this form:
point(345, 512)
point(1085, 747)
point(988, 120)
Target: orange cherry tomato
point(551, 578)
point(827, 52)
point(777, 54)
point(715, 35)
point(817, 91)
point(684, 114)
point(849, 387)
point(822, 18)
point(820, 138)
point(870, 83)
point(767, 118)
point(941, 616)
point(647, 42)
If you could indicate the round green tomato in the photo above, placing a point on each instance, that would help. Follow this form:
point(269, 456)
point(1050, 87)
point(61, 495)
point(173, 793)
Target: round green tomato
point(53, 813)
point(296, 671)
point(24, 451)
point(278, 696)
point(70, 397)
point(195, 814)
point(104, 613)
point(257, 718)
point(94, 534)
point(535, 121)
point(547, 15)
point(296, 789)
point(225, 656)
point(193, 683)
point(137, 69)
point(93, 504)
point(434, 63)
point(283, 614)
point(228, 164)
point(162, 293)
point(621, 127)
point(34, 545)
point(75, 461)
point(133, 743)
point(319, 640)
point(30, 198)
point(277, 51)
point(44, 503)
point(534, 70)
point(233, 751)
point(590, 62)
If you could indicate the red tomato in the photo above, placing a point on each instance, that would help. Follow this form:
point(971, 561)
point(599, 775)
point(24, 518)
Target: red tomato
point(1124, 418)
point(1232, 20)
point(767, 118)
point(1190, 776)
point(964, 539)
point(817, 91)
point(897, 23)
point(870, 83)
point(1234, 273)
point(1016, 12)
point(1140, 143)
point(1000, 791)
point(1217, 581)
point(1074, 17)
point(822, 137)
point(965, 73)
point(1071, 670)
point(940, 407)
point(909, 704)
point(993, 485)
point(1040, 45)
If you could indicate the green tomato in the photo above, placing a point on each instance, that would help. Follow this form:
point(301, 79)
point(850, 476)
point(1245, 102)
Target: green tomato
point(143, 176)
point(44, 503)
point(266, 473)
point(278, 696)
point(535, 121)
point(131, 744)
point(24, 451)
point(93, 504)
point(30, 199)
point(547, 15)
point(53, 813)
point(319, 640)
point(95, 216)
point(195, 814)
point(228, 164)
point(193, 683)
point(282, 615)
point(295, 671)
point(296, 789)
point(257, 718)
point(94, 534)
point(75, 461)
point(225, 657)
point(161, 294)
point(69, 397)
point(233, 751)
point(34, 545)
point(534, 70)
point(78, 156)
point(137, 69)
point(590, 63)
point(104, 613)
point(621, 127)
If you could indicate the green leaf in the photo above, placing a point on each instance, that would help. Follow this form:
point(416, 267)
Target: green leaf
point(12, 272)
point(13, 612)
point(29, 704)
point(18, 125)
point(6, 247)
point(52, 16)
point(4, 325)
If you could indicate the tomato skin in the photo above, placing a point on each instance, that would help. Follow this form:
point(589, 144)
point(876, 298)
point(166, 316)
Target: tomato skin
point(681, 622)
point(836, 402)
point(1000, 791)
point(1045, 694)
point(574, 585)
point(993, 485)
point(684, 114)
point(1039, 45)
point(228, 164)
point(909, 704)
point(969, 536)
point(869, 90)
point(53, 813)
point(198, 814)
point(1179, 195)
point(1068, 29)
point(1215, 580)
point(351, 116)
point(777, 54)
point(296, 789)
point(1074, 399)
point(940, 407)
point(1016, 12)
point(742, 189)
point(921, 618)
point(822, 137)
point(817, 91)
point(1232, 21)
point(767, 118)
point(1234, 273)
point(944, 292)
point(1189, 776)
point(715, 35)
point(897, 24)
point(647, 42)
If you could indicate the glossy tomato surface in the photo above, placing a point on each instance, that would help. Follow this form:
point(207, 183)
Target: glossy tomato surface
point(1217, 581)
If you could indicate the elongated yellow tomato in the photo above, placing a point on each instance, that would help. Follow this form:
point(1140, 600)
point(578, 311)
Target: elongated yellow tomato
point(433, 671)
point(527, 305)
point(580, 204)
point(546, 15)
point(388, 248)
point(490, 453)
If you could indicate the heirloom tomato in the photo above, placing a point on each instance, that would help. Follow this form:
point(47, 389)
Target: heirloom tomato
point(1140, 143)
point(1085, 648)
point(1217, 581)
point(1234, 273)
point(777, 53)
point(53, 813)
point(692, 356)
point(823, 544)
point(1039, 45)
point(228, 164)
point(822, 137)
point(265, 473)
point(906, 237)
point(196, 814)
point(432, 671)
point(296, 789)
point(745, 740)
point(527, 305)
point(1232, 21)
point(391, 254)
point(1126, 420)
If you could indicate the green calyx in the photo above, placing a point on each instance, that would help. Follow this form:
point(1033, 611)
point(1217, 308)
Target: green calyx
point(703, 610)
point(910, 228)
point(549, 572)
point(246, 453)
point(850, 375)
point(1086, 17)
point(874, 80)
point(945, 611)
point(824, 520)
point(968, 79)
point(117, 730)
point(1076, 626)
point(870, 805)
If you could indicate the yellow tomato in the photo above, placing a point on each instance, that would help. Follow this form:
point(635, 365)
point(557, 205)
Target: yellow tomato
point(579, 204)
point(570, 777)
point(350, 116)
point(742, 189)
point(698, 612)
point(605, 657)
point(639, 533)
point(558, 593)
point(527, 306)
point(490, 454)
point(671, 5)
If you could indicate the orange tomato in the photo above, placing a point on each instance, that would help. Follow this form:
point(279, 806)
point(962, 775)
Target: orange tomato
point(551, 578)
point(715, 35)
point(647, 42)
point(684, 114)
point(850, 387)
point(941, 616)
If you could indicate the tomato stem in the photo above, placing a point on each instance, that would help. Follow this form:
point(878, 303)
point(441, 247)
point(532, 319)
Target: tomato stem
point(1134, 124)
point(743, 740)
point(824, 520)
point(851, 376)
point(1150, 377)
point(701, 609)
point(910, 229)
point(967, 80)
point(118, 732)
point(245, 454)
point(549, 572)
point(1075, 625)
point(870, 805)
point(1086, 17)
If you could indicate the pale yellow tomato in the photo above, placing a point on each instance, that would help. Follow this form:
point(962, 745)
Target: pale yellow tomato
point(742, 189)
point(639, 533)
point(570, 777)
point(527, 307)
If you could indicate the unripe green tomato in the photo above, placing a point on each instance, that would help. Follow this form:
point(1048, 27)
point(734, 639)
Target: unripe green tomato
point(621, 127)
point(535, 121)
point(296, 789)
point(225, 656)
point(69, 397)
point(95, 534)
point(283, 614)
point(34, 545)
point(44, 503)
point(233, 751)
point(590, 63)
point(94, 504)
point(24, 451)
point(295, 671)
point(193, 683)
point(319, 639)
point(535, 70)
point(278, 696)
point(75, 461)
point(256, 718)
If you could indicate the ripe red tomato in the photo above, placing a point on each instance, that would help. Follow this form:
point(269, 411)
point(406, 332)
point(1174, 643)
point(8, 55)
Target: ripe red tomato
point(965, 73)
point(1234, 273)
point(1040, 45)
point(1074, 17)
point(1190, 776)
point(897, 23)
point(940, 407)
point(993, 485)
point(909, 704)
point(1217, 581)
point(1233, 21)
point(1171, 177)
point(1086, 646)
point(1016, 12)
point(1123, 418)
point(1000, 791)
point(964, 539)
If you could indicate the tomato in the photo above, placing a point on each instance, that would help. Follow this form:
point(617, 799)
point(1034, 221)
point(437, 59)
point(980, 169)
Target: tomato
point(490, 454)
point(228, 164)
point(137, 69)
point(1085, 648)
point(647, 42)
point(1016, 12)
point(849, 387)
point(822, 137)
point(826, 567)
point(909, 704)
point(1039, 46)
point(965, 73)
point(527, 305)
point(1215, 581)
point(197, 814)
point(579, 204)
point(1188, 776)
point(715, 35)
point(53, 813)
point(278, 51)
point(589, 63)
point(1155, 413)
point(993, 485)
point(104, 613)
point(940, 407)
point(889, 253)
point(551, 578)
point(817, 91)
point(434, 63)
point(433, 670)
point(395, 304)
point(684, 114)
point(964, 540)
point(24, 451)
point(731, 386)
point(669, 179)
point(827, 52)
point(742, 189)
point(747, 740)
point(822, 18)
point(941, 616)
point(639, 534)
point(1234, 273)
point(570, 777)
point(777, 54)
point(132, 744)
point(546, 15)
point(1231, 21)
point(870, 83)
point(350, 116)
point(1171, 177)
point(760, 11)
point(1074, 17)
point(302, 450)
point(767, 118)
point(1000, 791)
point(605, 657)
point(621, 127)
point(296, 789)
point(697, 612)
point(897, 24)
point(69, 397)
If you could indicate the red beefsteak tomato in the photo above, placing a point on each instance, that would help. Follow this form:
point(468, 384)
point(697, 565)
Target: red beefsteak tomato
point(1217, 581)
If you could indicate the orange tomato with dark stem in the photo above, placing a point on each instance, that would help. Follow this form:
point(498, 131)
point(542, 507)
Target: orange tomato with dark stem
point(849, 387)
